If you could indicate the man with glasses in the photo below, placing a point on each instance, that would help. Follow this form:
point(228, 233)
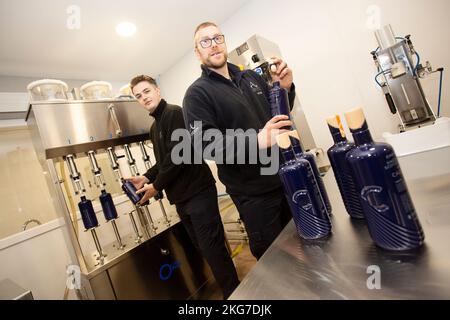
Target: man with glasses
point(191, 187)
point(224, 97)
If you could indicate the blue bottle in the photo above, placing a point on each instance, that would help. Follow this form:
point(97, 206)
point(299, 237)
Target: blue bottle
point(279, 105)
point(345, 181)
point(391, 217)
point(108, 207)
point(298, 151)
point(130, 191)
point(87, 213)
point(302, 192)
point(279, 102)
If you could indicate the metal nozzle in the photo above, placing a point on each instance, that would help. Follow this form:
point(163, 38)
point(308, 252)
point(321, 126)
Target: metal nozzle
point(145, 156)
point(114, 163)
point(98, 177)
point(131, 161)
point(75, 175)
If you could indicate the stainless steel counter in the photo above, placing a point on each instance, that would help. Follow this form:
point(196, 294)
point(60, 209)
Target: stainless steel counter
point(345, 265)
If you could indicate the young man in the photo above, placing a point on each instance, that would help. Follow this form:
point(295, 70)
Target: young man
point(190, 187)
point(224, 97)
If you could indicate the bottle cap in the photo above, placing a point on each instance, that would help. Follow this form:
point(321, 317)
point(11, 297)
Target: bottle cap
point(294, 134)
point(283, 140)
point(355, 118)
point(273, 67)
point(335, 122)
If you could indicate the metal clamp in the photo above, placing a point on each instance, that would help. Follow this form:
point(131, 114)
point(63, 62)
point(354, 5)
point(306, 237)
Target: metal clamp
point(112, 112)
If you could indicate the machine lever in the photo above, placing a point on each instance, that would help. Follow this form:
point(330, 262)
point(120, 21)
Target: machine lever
point(112, 111)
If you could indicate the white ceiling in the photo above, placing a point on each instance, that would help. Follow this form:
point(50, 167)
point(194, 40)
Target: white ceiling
point(35, 40)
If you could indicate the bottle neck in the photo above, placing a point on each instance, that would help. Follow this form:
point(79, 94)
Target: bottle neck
point(296, 146)
point(337, 137)
point(287, 155)
point(362, 136)
point(336, 134)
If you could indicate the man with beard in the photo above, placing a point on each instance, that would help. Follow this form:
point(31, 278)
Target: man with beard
point(191, 187)
point(224, 97)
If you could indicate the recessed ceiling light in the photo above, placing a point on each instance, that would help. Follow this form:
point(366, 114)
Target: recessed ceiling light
point(126, 29)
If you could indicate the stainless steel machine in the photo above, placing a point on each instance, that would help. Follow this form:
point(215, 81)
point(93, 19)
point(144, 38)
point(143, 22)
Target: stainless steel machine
point(255, 54)
point(399, 77)
point(94, 144)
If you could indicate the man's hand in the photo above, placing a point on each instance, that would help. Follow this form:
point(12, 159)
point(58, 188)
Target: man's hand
point(266, 137)
point(150, 192)
point(138, 181)
point(282, 73)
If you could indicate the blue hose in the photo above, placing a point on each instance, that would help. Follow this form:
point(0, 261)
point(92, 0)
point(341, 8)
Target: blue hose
point(378, 74)
point(417, 64)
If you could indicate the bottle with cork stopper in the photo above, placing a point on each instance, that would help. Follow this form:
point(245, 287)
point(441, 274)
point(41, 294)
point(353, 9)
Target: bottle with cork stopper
point(342, 173)
point(302, 193)
point(388, 208)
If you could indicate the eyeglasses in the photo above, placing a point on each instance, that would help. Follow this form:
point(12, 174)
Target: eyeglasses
point(206, 43)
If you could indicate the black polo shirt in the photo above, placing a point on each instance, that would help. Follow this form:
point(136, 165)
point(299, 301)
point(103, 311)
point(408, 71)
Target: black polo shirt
point(182, 181)
point(239, 103)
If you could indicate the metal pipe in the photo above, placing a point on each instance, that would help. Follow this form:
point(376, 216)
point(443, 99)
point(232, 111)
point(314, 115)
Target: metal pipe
point(138, 238)
point(151, 223)
point(164, 213)
point(116, 232)
point(101, 254)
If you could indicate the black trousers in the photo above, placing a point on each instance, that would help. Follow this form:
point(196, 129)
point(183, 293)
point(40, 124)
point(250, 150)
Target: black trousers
point(264, 216)
point(201, 218)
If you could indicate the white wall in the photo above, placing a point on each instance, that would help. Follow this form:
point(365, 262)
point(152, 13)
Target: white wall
point(39, 263)
point(327, 44)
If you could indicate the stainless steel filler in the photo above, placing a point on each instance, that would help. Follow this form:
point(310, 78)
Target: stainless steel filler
point(128, 261)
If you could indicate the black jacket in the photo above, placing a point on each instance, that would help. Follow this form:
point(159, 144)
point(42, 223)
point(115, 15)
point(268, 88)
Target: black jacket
point(182, 181)
point(240, 103)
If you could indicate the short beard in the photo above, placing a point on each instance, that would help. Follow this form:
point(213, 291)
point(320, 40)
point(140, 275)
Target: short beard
point(211, 65)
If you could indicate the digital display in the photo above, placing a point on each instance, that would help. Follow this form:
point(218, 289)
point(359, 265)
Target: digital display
point(240, 50)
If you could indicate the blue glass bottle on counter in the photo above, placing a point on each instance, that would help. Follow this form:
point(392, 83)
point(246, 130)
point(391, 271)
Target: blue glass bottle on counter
point(108, 207)
point(298, 151)
point(302, 192)
point(279, 105)
point(391, 217)
point(87, 213)
point(345, 181)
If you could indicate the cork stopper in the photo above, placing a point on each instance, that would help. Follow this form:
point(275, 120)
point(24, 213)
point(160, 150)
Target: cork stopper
point(332, 121)
point(336, 123)
point(355, 118)
point(283, 140)
point(294, 134)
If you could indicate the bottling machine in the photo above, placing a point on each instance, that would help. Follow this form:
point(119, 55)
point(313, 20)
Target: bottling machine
point(95, 144)
point(399, 70)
